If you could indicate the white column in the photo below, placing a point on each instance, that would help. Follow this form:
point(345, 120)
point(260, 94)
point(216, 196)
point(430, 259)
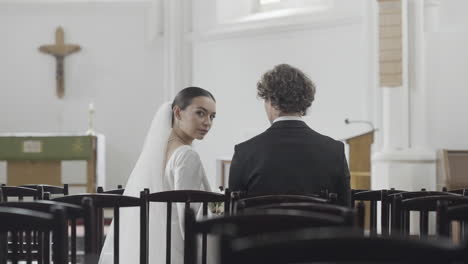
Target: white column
point(177, 51)
point(431, 15)
point(395, 118)
point(417, 76)
point(405, 160)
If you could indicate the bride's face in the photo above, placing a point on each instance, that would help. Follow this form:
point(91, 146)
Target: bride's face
point(197, 118)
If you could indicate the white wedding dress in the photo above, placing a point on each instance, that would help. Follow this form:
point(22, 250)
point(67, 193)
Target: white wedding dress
point(183, 171)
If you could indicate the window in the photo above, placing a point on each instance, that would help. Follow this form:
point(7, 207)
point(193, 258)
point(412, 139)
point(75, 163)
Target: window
point(231, 12)
point(311, 5)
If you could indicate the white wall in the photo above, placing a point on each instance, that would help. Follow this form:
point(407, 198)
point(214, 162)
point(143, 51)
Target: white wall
point(447, 73)
point(119, 69)
point(333, 51)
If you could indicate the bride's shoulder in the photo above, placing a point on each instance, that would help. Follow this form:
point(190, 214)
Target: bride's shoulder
point(186, 154)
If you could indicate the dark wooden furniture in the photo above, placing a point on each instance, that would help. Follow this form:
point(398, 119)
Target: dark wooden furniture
point(373, 198)
point(16, 221)
point(336, 246)
point(119, 190)
point(186, 197)
point(399, 221)
point(101, 201)
point(251, 223)
point(347, 213)
point(52, 189)
point(21, 192)
point(253, 201)
point(446, 214)
point(423, 205)
point(73, 212)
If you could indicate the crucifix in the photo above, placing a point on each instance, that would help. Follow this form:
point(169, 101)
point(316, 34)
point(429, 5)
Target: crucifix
point(59, 50)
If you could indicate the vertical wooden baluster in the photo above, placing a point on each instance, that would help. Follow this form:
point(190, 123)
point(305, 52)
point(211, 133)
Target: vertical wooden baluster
point(168, 233)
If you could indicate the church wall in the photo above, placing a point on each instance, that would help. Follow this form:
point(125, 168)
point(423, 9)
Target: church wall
point(333, 51)
point(447, 73)
point(119, 69)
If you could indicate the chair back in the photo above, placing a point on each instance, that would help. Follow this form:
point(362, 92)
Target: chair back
point(254, 201)
point(252, 222)
point(347, 213)
point(119, 190)
point(335, 245)
point(446, 214)
point(186, 197)
point(373, 198)
point(462, 191)
point(16, 221)
point(73, 212)
point(49, 188)
point(423, 205)
point(101, 201)
point(21, 192)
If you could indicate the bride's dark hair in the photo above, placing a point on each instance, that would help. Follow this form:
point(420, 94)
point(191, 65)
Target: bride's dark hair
point(185, 96)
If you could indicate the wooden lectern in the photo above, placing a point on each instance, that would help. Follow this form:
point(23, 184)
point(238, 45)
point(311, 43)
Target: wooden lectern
point(360, 160)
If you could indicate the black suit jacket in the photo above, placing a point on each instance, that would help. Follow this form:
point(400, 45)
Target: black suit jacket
point(291, 158)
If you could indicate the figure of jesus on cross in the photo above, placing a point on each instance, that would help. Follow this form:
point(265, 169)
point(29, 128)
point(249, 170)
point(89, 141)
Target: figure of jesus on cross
point(59, 50)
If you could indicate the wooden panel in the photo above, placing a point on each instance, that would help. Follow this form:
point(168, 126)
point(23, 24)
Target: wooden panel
point(360, 160)
point(92, 168)
point(46, 148)
point(390, 79)
point(390, 68)
point(390, 32)
point(393, 19)
point(390, 55)
point(453, 169)
point(30, 172)
point(360, 182)
point(390, 43)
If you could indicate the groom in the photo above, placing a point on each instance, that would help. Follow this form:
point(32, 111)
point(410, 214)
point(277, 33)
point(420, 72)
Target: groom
point(289, 157)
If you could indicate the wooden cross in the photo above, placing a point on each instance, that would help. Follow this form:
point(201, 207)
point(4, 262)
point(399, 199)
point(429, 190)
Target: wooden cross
point(59, 50)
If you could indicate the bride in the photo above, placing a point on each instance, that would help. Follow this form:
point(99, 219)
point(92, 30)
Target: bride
point(167, 162)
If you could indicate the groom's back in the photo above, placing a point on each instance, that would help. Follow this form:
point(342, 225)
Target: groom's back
point(290, 158)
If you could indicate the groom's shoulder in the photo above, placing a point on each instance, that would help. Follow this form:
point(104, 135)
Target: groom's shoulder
point(252, 141)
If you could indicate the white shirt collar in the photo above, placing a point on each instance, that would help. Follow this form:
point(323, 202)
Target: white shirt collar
point(285, 118)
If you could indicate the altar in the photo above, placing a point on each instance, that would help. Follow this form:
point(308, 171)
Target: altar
point(56, 159)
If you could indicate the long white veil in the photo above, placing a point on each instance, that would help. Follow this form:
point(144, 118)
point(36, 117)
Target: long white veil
point(147, 173)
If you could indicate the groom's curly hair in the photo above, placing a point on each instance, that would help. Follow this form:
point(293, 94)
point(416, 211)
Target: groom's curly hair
point(287, 88)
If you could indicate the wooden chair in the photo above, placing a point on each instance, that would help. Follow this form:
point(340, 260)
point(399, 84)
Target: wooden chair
point(254, 201)
point(73, 212)
point(8, 192)
point(49, 188)
point(347, 213)
point(446, 214)
point(397, 223)
point(186, 197)
point(250, 223)
point(100, 189)
point(119, 190)
point(423, 205)
point(463, 191)
point(21, 192)
point(374, 197)
point(101, 201)
point(336, 245)
point(355, 191)
point(16, 220)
